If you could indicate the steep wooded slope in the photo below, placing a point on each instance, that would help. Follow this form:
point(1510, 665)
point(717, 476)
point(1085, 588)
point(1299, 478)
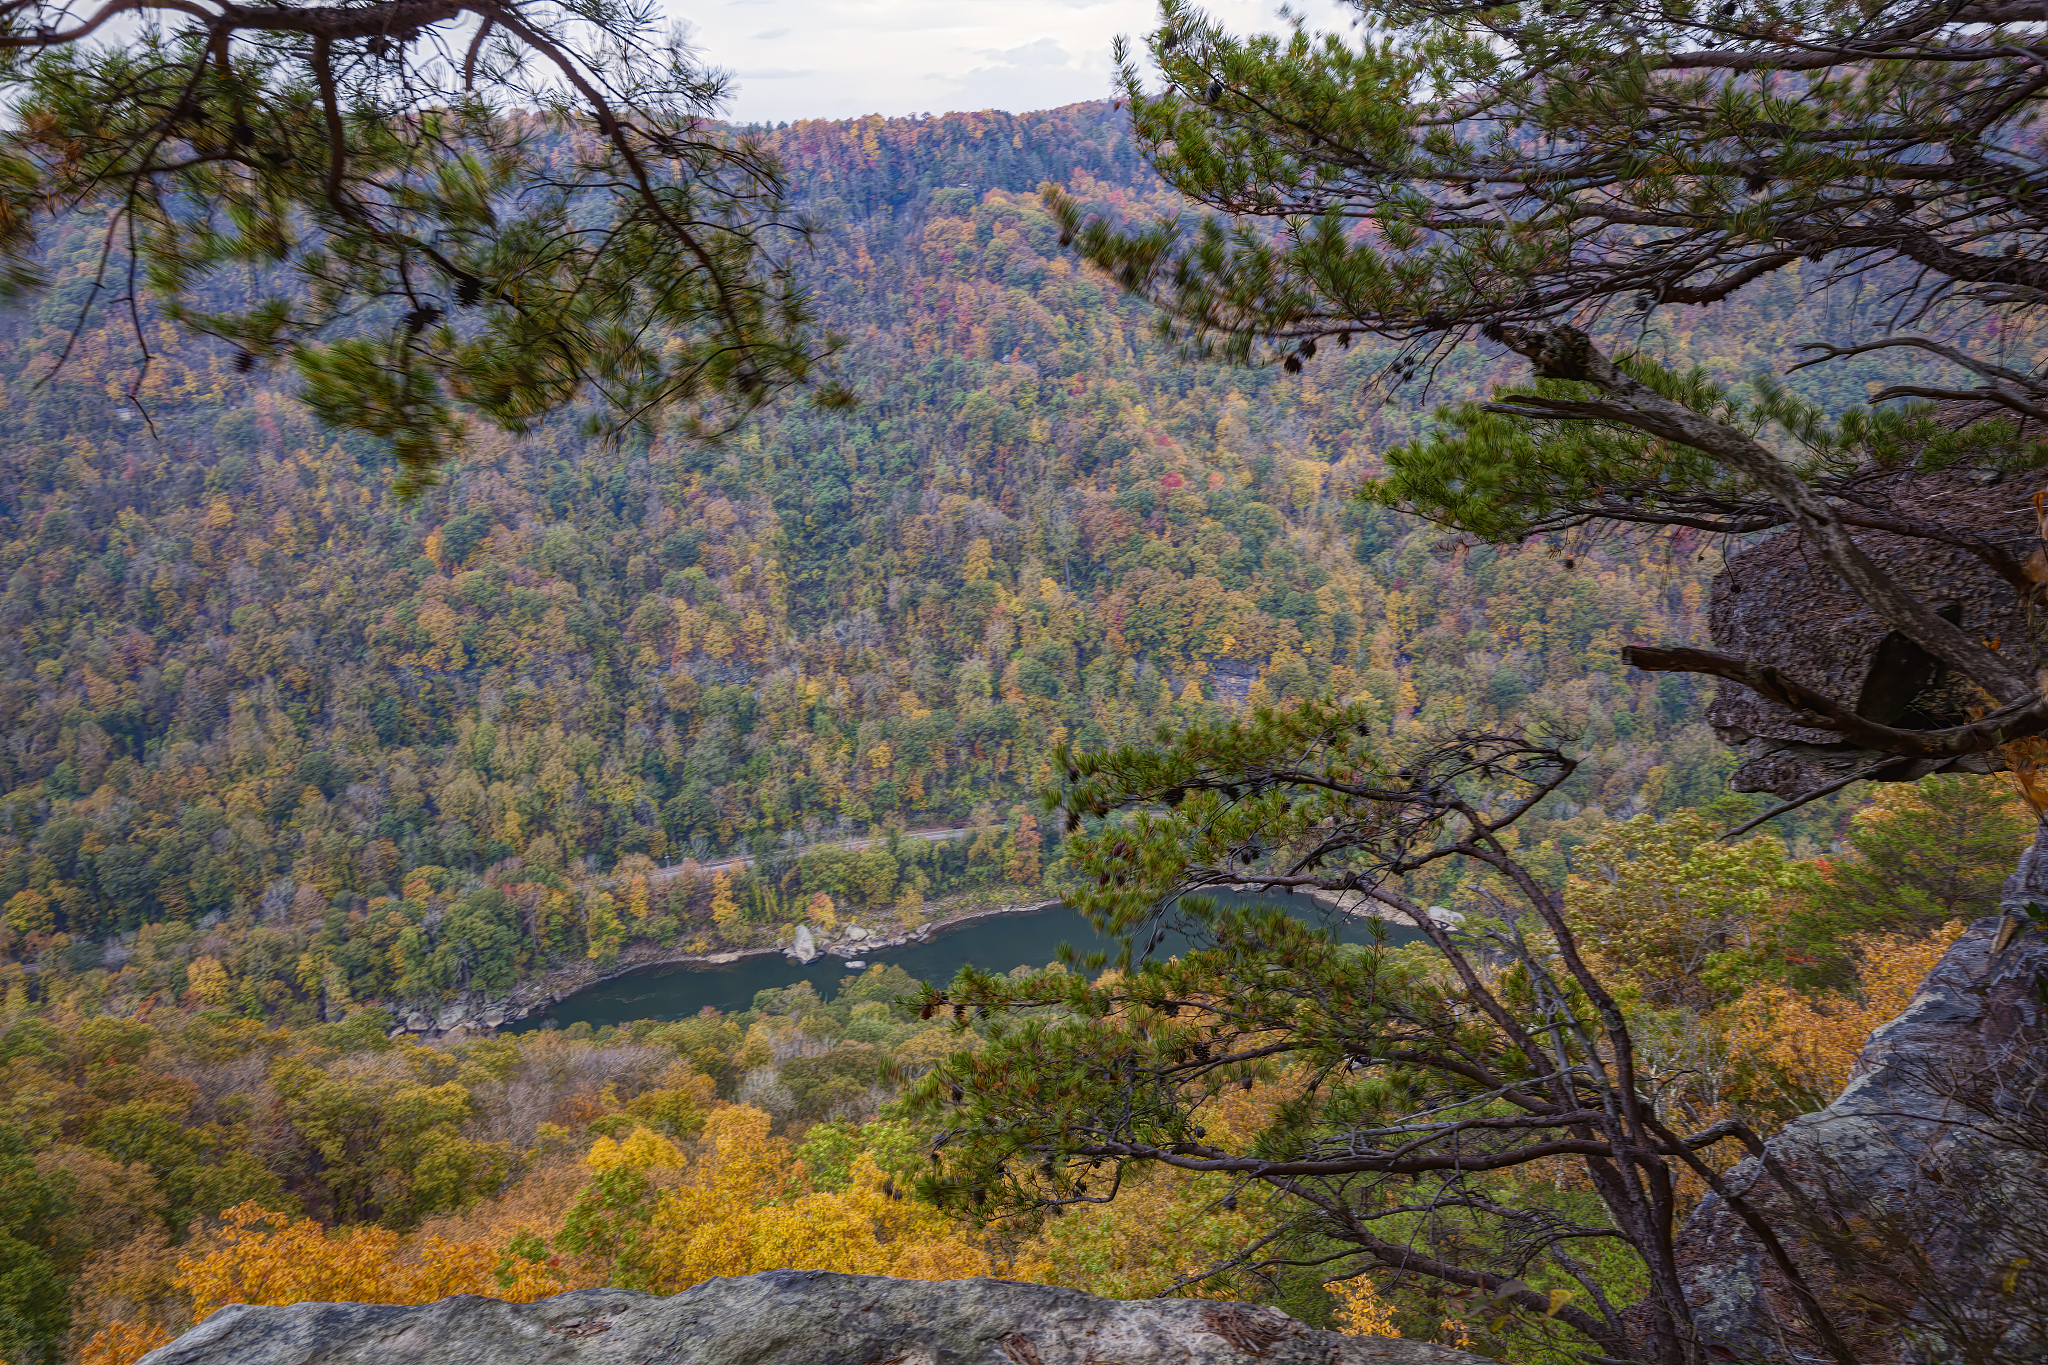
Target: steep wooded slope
point(251, 699)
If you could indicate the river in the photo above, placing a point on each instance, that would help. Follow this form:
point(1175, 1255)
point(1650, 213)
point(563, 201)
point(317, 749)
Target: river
point(997, 943)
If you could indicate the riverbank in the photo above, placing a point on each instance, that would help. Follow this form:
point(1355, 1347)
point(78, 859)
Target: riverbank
point(850, 946)
point(1356, 905)
point(482, 1012)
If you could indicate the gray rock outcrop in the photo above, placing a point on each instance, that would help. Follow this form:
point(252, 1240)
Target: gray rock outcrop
point(1916, 1203)
point(788, 1317)
point(468, 1012)
point(1775, 602)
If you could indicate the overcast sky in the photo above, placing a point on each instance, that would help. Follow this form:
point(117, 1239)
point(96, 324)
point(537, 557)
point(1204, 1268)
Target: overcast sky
point(838, 58)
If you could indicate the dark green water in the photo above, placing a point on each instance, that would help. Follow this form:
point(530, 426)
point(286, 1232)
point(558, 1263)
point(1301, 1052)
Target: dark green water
point(999, 943)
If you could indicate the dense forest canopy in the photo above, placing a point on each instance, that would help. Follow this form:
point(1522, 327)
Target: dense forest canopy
point(1508, 173)
point(248, 686)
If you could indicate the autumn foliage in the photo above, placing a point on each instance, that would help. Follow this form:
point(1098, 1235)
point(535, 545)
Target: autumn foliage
point(288, 760)
point(670, 1184)
point(1804, 1047)
point(318, 748)
point(122, 1343)
point(258, 1257)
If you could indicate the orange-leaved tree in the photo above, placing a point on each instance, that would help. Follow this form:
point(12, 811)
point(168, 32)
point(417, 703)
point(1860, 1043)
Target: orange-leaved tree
point(122, 1343)
point(261, 1257)
point(1803, 1048)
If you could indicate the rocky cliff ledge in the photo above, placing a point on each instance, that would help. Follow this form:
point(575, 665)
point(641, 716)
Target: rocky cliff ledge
point(1916, 1205)
point(788, 1317)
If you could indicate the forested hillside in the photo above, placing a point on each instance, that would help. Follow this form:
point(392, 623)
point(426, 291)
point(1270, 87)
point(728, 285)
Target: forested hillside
point(282, 748)
point(322, 746)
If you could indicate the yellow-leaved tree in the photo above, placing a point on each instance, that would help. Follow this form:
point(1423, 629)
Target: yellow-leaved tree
point(1659, 902)
point(208, 980)
point(748, 1206)
point(1360, 1311)
point(1163, 1229)
point(606, 933)
point(1166, 1226)
point(654, 1218)
point(261, 1257)
point(725, 911)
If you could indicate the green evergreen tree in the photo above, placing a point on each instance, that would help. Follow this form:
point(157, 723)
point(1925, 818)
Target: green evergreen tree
point(1415, 1076)
point(414, 247)
point(1918, 857)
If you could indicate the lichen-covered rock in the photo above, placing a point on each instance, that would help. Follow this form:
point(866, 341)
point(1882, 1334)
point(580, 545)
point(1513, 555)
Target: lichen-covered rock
point(1776, 603)
point(1917, 1201)
point(787, 1317)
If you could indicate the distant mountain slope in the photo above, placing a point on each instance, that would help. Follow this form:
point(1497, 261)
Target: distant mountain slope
point(249, 697)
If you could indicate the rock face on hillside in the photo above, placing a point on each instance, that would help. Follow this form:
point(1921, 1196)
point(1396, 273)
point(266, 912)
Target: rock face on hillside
point(787, 1317)
point(1776, 603)
point(1917, 1202)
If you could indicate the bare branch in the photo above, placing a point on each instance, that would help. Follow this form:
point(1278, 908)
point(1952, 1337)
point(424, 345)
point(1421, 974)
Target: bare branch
point(2015, 720)
point(112, 10)
point(337, 135)
point(1989, 393)
point(475, 46)
point(1974, 364)
point(1805, 798)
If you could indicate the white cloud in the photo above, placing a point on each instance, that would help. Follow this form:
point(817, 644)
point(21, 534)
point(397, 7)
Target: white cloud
point(1034, 75)
point(1044, 52)
point(840, 58)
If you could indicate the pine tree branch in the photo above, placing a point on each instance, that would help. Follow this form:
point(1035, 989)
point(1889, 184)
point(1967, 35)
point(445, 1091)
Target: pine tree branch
point(1564, 352)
